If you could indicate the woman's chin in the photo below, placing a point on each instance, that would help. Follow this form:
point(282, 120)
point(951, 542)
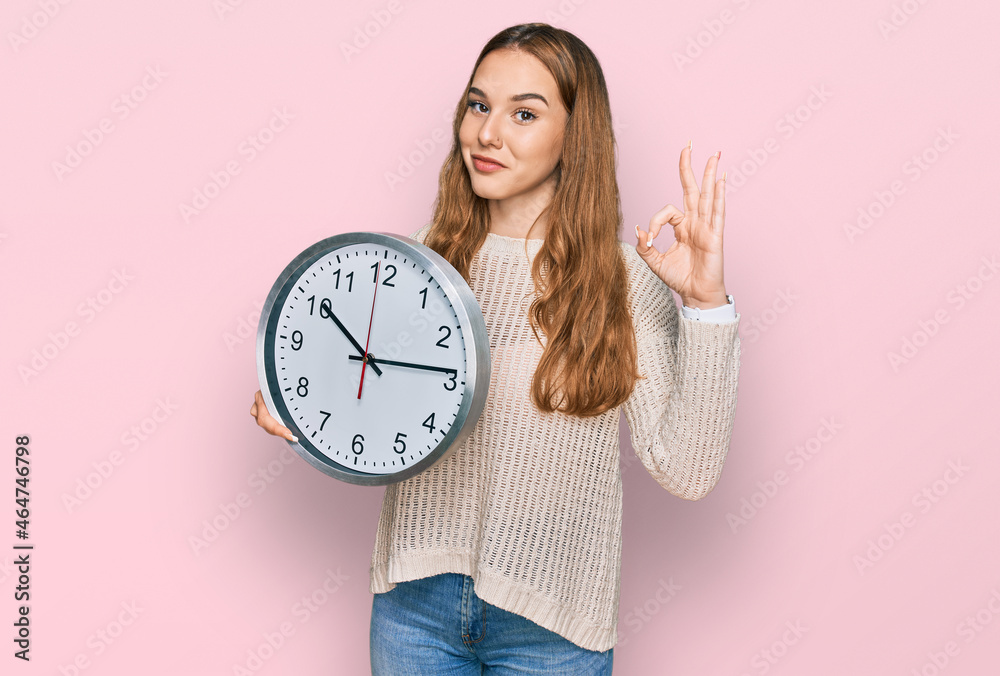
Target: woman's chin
point(487, 193)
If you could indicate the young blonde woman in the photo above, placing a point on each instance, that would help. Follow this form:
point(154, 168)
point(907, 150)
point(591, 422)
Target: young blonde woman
point(505, 558)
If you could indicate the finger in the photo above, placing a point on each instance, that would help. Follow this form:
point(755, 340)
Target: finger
point(270, 424)
point(719, 208)
point(688, 182)
point(668, 214)
point(643, 240)
point(273, 427)
point(708, 187)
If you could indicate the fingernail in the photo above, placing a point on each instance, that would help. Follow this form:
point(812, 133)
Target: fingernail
point(724, 175)
point(649, 242)
point(293, 437)
point(689, 144)
point(718, 155)
point(638, 237)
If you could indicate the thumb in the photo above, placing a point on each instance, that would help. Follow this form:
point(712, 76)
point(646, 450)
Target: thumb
point(644, 243)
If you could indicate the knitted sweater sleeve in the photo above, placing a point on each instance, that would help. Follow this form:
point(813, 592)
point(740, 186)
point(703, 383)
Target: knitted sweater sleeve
point(681, 414)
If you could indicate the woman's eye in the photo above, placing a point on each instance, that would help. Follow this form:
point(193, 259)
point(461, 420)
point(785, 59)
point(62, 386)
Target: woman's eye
point(483, 109)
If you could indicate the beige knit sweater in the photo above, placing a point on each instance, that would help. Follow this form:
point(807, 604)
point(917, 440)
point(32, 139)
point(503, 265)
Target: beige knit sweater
point(530, 504)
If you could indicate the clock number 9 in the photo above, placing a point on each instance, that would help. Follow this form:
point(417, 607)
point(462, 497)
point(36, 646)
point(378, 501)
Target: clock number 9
point(296, 340)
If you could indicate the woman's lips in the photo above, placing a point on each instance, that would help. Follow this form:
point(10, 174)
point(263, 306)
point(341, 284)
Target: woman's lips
point(482, 165)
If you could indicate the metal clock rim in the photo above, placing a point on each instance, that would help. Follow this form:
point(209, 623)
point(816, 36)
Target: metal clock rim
point(472, 324)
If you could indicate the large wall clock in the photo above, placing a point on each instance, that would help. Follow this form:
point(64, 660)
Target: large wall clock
point(373, 351)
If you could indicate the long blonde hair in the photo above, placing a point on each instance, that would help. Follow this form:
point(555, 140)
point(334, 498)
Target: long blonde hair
point(589, 364)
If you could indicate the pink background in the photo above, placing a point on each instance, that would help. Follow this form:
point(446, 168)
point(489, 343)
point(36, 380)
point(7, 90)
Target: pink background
point(128, 327)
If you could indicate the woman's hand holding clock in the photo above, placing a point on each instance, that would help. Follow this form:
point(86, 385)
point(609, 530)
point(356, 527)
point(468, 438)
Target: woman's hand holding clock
point(692, 266)
point(264, 419)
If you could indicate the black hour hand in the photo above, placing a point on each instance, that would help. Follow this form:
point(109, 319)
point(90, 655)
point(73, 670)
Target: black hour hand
point(324, 307)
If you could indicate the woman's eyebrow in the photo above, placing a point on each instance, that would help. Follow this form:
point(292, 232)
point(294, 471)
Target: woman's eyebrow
point(516, 97)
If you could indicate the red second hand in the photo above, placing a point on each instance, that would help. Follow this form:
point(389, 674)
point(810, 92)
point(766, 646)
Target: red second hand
point(364, 362)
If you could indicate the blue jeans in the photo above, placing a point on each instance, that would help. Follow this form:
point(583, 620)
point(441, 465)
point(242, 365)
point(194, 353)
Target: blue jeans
point(438, 626)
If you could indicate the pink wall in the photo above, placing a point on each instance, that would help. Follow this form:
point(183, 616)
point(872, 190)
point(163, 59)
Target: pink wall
point(854, 530)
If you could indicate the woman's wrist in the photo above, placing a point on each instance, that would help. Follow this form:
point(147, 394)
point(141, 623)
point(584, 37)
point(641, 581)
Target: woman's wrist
point(708, 304)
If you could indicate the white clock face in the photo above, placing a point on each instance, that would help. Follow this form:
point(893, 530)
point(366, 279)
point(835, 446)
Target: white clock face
point(386, 414)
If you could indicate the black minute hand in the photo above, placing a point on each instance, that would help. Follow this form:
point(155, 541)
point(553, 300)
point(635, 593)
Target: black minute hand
point(373, 360)
point(356, 344)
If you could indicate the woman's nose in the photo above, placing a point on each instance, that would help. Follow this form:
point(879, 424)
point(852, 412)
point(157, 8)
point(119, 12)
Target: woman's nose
point(489, 133)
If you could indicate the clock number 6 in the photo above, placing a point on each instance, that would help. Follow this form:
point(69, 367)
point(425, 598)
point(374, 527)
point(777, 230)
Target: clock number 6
point(357, 445)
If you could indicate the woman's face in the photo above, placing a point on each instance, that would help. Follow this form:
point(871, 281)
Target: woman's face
point(515, 117)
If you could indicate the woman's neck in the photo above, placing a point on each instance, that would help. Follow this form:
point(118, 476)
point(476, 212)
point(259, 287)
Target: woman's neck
point(524, 216)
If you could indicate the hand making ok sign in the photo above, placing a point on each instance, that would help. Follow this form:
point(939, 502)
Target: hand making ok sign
point(692, 266)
